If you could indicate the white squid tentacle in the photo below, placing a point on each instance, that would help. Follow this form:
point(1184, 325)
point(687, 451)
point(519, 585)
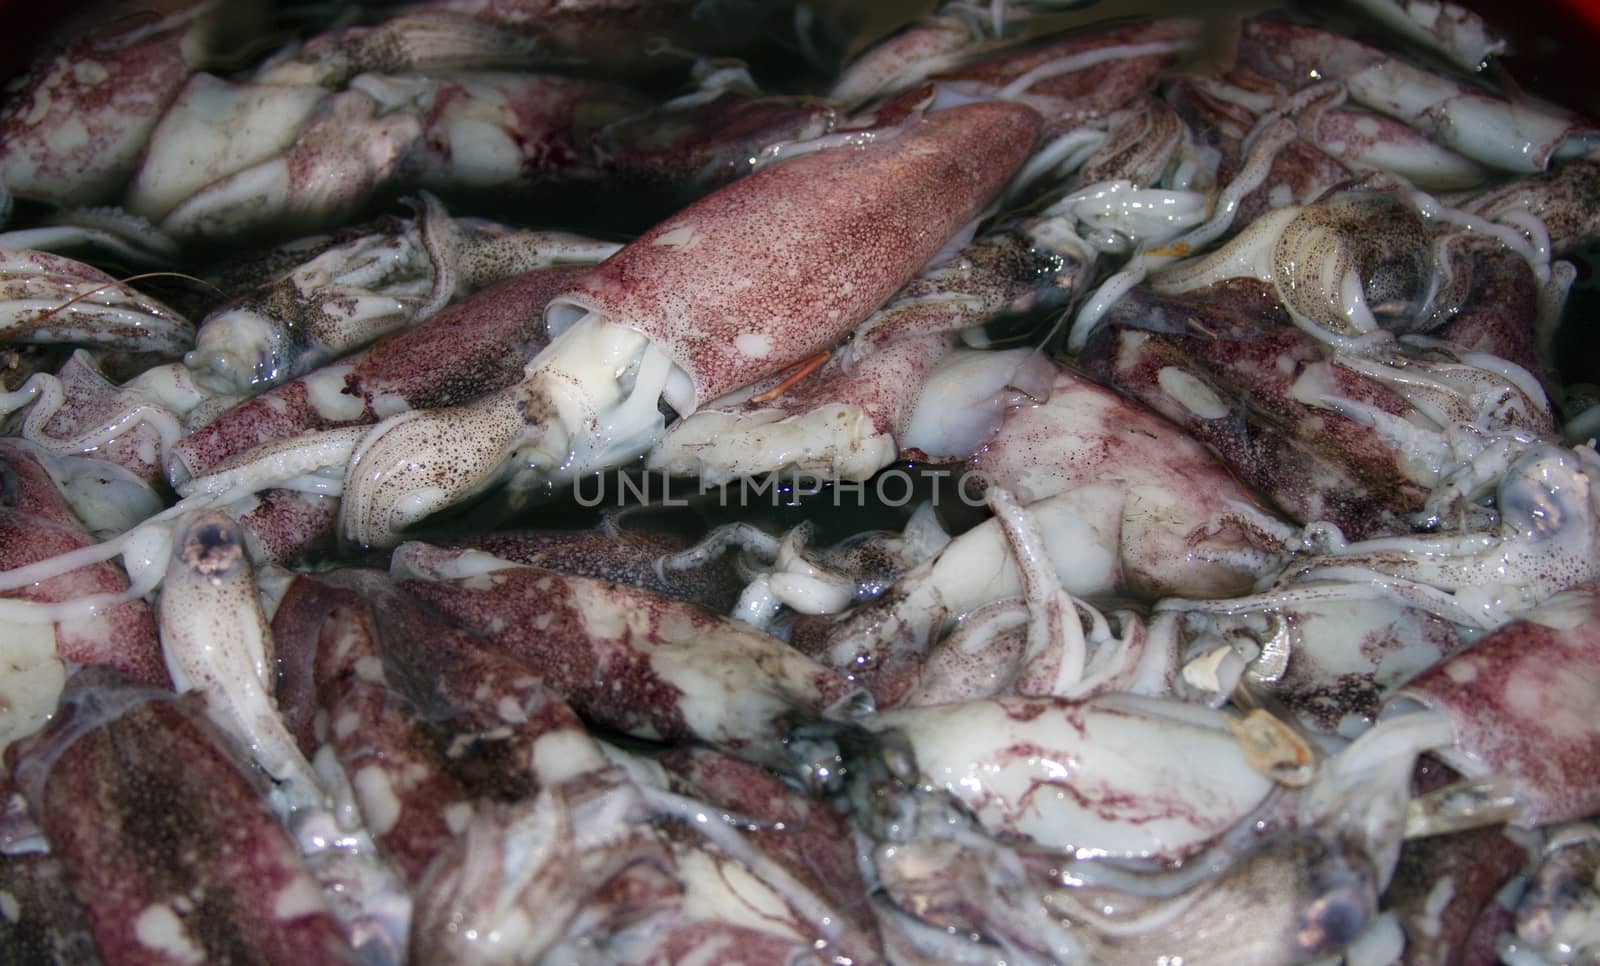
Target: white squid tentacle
point(1057, 652)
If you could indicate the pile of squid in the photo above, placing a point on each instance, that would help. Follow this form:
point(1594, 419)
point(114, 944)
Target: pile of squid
point(392, 574)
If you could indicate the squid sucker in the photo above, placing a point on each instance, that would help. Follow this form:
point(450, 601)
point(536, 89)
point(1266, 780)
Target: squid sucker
point(506, 482)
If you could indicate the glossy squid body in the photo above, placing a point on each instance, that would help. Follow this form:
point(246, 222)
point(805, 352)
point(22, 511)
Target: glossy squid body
point(680, 324)
point(1520, 702)
point(1240, 609)
point(128, 774)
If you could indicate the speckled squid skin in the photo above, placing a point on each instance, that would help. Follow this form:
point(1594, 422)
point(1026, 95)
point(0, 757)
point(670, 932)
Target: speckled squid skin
point(1443, 889)
point(476, 346)
point(1566, 199)
point(44, 923)
point(97, 309)
point(92, 409)
point(501, 732)
point(1513, 133)
point(36, 524)
point(1185, 526)
point(618, 553)
point(1066, 100)
point(781, 265)
point(1522, 701)
point(406, 799)
point(1500, 311)
point(288, 526)
point(74, 133)
point(166, 842)
point(708, 145)
point(807, 837)
point(856, 416)
point(1117, 774)
point(1313, 463)
point(639, 662)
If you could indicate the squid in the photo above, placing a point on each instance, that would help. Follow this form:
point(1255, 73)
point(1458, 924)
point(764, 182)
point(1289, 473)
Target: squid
point(1518, 703)
point(644, 664)
point(1511, 136)
point(1011, 760)
point(125, 769)
point(75, 132)
point(1108, 506)
point(353, 293)
point(736, 287)
point(36, 519)
point(46, 298)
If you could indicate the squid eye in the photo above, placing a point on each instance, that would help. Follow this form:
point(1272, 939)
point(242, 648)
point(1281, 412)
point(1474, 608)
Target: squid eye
point(1333, 921)
point(1540, 495)
point(1343, 900)
point(1392, 258)
point(1354, 262)
point(214, 548)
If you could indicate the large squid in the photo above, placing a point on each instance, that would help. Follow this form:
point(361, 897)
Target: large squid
point(743, 284)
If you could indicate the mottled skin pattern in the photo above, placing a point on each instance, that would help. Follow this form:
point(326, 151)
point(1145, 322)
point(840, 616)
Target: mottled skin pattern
point(883, 388)
point(1044, 770)
point(684, 943)
point(1314, 463)
point(630, 659)
point(282, 412)
point(131, 320)
point(808, 837)
point(1324, 691)
point(296, 632)
point(1002, 271)
point(346, 149)
point(1566, 199)
point(1069, 99)
point(781, 265)
point(242, 271)
point(1522, 701)
point(1473, 865)
point(430, 40)
point(48, 925)
point(1300, 171)
point(1299, 56)
point(1139, 146)
point(623, 554)
point(708, 145)
point(613, 31)
point(546, 118)
point(1500, 310)
point(288, 526)
point(1363, 141)
point(873, 645)
point(93, 405)
point(898, 59)
point(1182, 504)
point(36, 524)
point(156, 824)
point(475, 346)
point(374, 735)
point(74, 134)
point(575, 862)
point(485, 710)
